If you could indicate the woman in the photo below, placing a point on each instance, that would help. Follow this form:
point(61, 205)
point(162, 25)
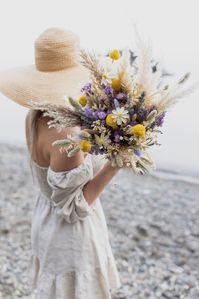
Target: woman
point(71, 253)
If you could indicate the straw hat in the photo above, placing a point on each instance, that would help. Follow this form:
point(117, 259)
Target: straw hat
point(56, 74)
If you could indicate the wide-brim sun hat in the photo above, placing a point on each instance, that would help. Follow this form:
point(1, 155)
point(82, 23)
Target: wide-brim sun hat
point(56, 74)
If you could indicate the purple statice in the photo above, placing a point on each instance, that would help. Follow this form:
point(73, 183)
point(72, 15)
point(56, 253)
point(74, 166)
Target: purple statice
point(86, 88)
point(137, 152)
point(99, 114)
point(133, 123)
point(116, 136)
point(87, 111)
point(121, 96)
point(108, 90)
point(95, 114)
point(96, 150)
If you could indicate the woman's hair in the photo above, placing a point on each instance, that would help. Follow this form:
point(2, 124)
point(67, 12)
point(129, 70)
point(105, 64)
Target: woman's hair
point(31, 124)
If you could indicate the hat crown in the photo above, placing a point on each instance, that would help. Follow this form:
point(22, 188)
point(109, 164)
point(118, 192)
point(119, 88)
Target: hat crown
point(56, 49)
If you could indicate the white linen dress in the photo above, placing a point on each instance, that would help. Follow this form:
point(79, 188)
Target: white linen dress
point(71, 256)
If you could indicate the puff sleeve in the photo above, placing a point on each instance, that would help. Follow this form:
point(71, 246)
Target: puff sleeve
point(98, 162)
point(67, 194)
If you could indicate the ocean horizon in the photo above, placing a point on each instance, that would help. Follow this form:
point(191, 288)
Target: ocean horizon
point(175, 157)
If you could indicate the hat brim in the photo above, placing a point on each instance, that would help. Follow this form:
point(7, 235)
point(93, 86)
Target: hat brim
point(27, 83)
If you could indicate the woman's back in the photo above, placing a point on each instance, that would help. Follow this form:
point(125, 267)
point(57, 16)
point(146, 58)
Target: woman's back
point(44, 153)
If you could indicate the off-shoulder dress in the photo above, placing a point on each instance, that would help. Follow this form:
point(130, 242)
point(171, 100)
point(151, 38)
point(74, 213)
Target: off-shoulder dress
point(71, 255)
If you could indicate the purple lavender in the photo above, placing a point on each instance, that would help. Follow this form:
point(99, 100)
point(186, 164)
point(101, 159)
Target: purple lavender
point(108, 90)
point(86, 88)
point(142, 113)
point(141, 98)
point(160, 119)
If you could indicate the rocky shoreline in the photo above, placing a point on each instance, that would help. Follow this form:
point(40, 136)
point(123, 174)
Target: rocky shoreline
point(153, 226)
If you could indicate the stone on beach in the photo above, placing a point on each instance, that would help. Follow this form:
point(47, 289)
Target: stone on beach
point(153, 228)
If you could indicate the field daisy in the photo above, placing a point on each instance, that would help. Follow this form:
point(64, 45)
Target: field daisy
point(120, 115)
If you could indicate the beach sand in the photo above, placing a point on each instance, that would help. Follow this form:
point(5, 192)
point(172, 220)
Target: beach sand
point(153, 227)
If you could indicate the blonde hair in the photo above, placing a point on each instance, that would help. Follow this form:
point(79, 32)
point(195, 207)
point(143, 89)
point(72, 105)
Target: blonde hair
point(31, 125)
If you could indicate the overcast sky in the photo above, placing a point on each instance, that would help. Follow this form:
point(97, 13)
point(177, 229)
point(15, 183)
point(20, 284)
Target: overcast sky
point(171, 26)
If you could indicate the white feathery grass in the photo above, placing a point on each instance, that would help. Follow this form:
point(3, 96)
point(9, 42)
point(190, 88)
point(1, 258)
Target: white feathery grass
point(125, 72)
point(108, 67)
point(145, 76)
point(62, 115)
point(169, 97)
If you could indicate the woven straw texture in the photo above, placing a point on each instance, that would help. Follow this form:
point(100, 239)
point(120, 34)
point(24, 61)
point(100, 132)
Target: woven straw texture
point(56, 74)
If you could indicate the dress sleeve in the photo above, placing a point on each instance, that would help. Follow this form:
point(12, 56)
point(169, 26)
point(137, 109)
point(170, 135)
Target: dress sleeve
point(67, 194)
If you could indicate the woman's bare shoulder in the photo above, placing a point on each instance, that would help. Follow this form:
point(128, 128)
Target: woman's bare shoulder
point(59, 161)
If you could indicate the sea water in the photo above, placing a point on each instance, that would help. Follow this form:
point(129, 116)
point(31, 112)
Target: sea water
point(177, 154)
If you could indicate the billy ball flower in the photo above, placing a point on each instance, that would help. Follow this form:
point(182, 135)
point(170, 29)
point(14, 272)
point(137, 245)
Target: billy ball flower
point(120, 115)
point(83, 100)
point(85, 146)
point(139, 130)
point(114, 54)
point(110, 121)
point(116, 84)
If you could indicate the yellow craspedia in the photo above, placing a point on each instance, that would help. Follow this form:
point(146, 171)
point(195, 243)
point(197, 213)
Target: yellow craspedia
point(110, 121)
point(139, 130)
point(116, 84)
point(114, 54)
point(83, 100)
point(85, 146)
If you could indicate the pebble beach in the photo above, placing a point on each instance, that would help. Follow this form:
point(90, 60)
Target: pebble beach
point(153, 227)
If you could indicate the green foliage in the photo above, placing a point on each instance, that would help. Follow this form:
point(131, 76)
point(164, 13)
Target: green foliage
point(75, 104)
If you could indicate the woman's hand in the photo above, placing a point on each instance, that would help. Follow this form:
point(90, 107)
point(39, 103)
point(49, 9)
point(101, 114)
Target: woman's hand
point(94, 187)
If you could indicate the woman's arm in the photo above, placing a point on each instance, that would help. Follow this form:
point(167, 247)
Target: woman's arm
point(60, 162)
point(94, 187)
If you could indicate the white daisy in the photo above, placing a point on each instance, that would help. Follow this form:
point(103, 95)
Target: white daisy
point(102, 140)
point(121, 115)
point(108, 68)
